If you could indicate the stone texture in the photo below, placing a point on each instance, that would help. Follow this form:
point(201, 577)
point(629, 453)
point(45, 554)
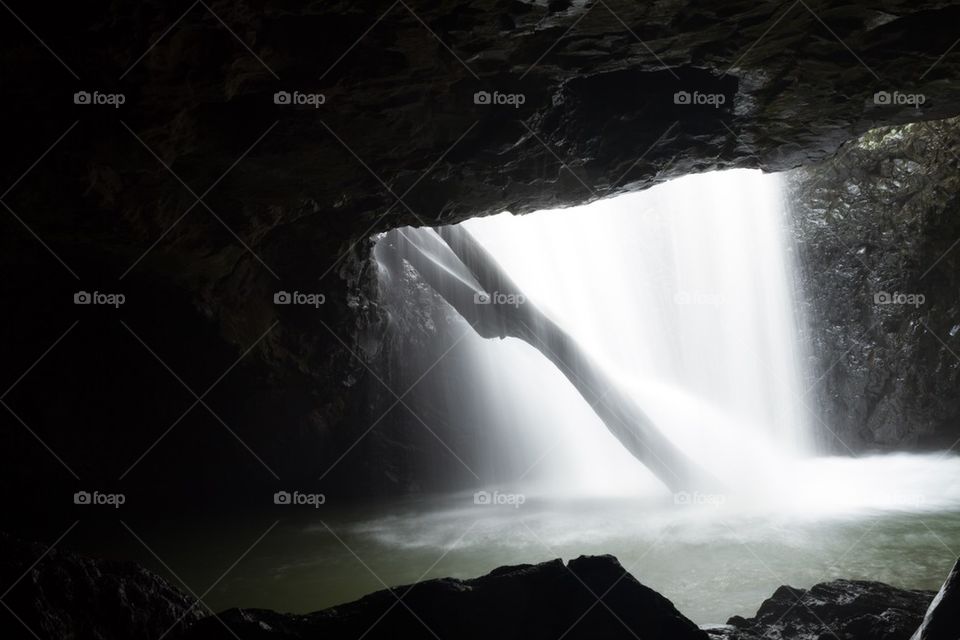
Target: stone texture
point(876, 228)
point(71, 597)
point(836, 610)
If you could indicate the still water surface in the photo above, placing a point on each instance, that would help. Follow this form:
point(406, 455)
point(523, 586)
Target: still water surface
point(713, 561)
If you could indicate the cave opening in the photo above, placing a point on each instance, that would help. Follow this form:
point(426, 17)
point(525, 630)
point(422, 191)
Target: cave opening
point(434, 319)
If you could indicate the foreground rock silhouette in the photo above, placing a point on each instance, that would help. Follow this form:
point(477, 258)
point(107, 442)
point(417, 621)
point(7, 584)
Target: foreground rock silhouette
point(836, 610)
point(589, 597)
point(56, 594)
point(59, 594)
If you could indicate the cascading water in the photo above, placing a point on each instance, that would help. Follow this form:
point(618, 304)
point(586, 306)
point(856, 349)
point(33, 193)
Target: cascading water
point(683, 296)
point(684, 293)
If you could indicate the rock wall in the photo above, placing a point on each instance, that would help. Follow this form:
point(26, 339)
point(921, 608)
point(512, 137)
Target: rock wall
point(877, 229)
point(52, 593)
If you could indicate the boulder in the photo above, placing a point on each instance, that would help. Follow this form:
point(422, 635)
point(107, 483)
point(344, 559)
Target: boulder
point(589, 597)
point(836, 610)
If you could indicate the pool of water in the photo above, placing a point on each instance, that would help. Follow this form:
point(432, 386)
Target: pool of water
point(712, 557)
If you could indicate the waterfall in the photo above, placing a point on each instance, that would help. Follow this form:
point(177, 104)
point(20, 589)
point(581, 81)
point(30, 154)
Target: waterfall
point(684, 293)
point(683, 296)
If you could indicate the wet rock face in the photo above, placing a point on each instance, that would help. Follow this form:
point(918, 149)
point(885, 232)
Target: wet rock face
point(69, 596)
point(839, 609)
point(590, 597)
point(418, 352)
point(259, 144)
point(876, 228)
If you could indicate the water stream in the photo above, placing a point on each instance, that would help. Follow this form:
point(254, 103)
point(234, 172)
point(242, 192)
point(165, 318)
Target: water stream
point(685, 292)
